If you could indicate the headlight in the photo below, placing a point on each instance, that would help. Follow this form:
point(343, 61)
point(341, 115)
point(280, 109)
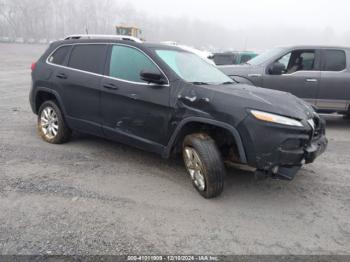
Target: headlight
point(272, 118)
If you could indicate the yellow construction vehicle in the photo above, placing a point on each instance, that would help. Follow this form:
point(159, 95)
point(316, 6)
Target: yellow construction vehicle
point(128, 30)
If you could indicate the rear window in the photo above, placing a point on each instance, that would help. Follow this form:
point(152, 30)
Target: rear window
point(59, 56)
point(90, 58)
point(334, 60)
point(222, 59)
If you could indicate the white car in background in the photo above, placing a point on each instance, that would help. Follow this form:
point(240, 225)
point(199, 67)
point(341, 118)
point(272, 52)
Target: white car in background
point(205, 55)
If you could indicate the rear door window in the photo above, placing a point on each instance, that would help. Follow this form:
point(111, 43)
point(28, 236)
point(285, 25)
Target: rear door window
point(126, 63)
point(89, 57)
point(59, 56)
point(334, 60)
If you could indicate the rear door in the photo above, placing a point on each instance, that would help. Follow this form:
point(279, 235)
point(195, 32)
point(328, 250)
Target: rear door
point(301, 76)
point(334, 93)
point(134, 111)
point(80, 84)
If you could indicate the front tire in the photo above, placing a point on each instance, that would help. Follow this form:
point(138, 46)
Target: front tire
point(51, 125)
point(204, 164)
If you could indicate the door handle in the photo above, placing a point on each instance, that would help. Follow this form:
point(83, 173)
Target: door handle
point(62, 76)
point(110, 86)
point(311, 80)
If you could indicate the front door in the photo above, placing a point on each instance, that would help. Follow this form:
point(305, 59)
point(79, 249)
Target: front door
point(301, 75)
point(133, 111)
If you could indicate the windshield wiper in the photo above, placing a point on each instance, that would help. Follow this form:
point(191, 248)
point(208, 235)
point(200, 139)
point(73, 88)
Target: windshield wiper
point(228, 83)
point(199, 83)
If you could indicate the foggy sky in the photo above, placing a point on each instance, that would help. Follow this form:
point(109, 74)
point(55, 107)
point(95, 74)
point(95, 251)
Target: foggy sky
point(262, 23)
point(206, 24)
point(241, 14)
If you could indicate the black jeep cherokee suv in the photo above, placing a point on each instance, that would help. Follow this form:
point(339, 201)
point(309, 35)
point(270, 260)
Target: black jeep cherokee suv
point(166, 100)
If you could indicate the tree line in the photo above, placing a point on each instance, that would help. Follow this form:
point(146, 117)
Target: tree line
point(35, 20)
point(53, 19)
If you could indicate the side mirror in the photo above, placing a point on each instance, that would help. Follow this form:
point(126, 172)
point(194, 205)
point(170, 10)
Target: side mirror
point(277, 69)
point(152, 77)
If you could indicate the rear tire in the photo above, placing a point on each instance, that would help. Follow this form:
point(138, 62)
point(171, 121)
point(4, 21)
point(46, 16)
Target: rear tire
point(51, 125)
point(204, 164)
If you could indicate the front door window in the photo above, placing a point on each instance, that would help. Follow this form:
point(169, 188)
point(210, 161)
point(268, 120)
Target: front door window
point(127, 63)
point(298, 60)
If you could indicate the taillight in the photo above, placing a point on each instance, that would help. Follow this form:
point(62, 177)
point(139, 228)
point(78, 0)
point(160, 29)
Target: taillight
point(33, 66)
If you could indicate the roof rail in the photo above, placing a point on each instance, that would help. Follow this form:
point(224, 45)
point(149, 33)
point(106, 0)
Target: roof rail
point(117, 37)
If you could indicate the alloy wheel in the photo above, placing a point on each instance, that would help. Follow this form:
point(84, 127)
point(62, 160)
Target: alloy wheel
point(49, 122)
point(195, 167)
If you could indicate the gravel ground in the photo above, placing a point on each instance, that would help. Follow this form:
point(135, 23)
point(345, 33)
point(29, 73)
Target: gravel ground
point(92, 196)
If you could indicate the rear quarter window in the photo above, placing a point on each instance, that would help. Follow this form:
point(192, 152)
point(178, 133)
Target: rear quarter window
point(59, 56)
point(89, 57)
point(334, 60)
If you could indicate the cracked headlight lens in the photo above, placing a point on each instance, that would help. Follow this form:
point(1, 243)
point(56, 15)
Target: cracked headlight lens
point(272, 118)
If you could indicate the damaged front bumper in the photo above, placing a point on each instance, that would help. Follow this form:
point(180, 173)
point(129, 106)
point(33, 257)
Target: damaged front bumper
point(315, 149)
point(280, 151)
point(293, 160)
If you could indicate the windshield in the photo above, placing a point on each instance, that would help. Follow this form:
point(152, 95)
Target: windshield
point(264, 56)
point(192, 68)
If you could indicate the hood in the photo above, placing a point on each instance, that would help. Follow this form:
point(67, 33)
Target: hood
point(239, 70)
point(272, 101)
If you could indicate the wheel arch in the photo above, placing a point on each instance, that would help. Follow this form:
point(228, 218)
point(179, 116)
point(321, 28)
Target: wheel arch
point(43, 94)
point(180, 132)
